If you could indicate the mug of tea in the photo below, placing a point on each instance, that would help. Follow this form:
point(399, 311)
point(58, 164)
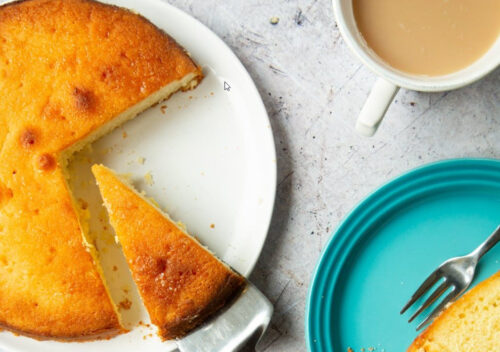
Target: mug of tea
point(423, 45)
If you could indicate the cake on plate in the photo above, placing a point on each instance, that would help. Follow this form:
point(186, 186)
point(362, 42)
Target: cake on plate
point(70, 71)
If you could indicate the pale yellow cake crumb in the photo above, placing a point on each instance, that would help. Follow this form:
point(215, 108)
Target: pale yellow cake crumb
point(148, 178)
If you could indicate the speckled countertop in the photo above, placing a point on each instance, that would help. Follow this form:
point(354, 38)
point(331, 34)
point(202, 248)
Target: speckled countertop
point(313, 89)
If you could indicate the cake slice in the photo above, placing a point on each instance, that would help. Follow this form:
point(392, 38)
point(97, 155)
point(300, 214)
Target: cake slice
point(470, 324)
point(70, 71)
point(181, 282)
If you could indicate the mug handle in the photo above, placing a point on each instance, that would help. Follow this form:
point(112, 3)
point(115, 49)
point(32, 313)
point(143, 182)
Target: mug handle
point(376, 105)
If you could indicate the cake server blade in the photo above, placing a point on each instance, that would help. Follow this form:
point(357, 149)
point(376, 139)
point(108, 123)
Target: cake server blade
point(241, 325)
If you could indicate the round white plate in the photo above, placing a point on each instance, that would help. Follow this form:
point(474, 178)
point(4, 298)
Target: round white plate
point(211, 157)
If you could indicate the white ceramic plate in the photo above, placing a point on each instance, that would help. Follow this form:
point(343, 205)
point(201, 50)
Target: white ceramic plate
point(211, 156)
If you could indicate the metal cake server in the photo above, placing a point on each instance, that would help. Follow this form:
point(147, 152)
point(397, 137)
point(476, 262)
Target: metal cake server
point(241, 325)
point(456, 273)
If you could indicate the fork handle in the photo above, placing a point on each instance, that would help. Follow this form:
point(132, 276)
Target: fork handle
point(488, 244)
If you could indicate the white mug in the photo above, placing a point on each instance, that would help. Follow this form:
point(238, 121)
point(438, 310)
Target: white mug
point(390, 79)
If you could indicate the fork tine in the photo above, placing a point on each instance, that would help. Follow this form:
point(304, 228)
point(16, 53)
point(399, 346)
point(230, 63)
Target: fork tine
point(438, 292)
point(431, 280)
point(449, 297)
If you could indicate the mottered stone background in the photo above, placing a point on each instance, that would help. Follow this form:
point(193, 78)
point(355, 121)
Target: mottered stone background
point(313, 89)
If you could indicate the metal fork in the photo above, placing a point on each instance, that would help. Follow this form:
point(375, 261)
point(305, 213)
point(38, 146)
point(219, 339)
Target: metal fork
point(457, 273)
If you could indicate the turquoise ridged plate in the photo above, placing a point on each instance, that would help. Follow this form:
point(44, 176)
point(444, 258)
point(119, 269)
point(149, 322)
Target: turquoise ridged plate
point(389, 244)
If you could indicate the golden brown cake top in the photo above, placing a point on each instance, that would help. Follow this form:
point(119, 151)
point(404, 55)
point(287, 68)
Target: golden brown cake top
point(180, 281)
point(67, 67)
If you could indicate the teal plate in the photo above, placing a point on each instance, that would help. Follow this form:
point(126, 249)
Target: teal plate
point(389, 244)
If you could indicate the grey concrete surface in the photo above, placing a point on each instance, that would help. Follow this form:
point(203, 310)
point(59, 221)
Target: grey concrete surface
point(313, 89)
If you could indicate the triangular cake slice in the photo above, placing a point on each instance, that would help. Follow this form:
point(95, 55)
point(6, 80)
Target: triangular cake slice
point(70, 71)
point(471, 324)
point(180, 281)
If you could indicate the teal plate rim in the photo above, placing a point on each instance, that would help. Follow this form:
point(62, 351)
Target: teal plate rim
point(405, 189)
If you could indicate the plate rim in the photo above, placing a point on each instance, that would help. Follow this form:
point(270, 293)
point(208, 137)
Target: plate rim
point(270, 135)
point(393, 184)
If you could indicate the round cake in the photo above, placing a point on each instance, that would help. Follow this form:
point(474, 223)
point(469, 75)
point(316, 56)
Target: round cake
point(70, 71)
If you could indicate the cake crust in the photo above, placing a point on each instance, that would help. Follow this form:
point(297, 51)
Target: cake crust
point(67, 68)
point(181, 282)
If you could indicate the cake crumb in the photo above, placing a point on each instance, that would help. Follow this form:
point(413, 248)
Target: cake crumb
point(125, 304)
point(182, 225)
point(141, 160)
point(148, 178)
point(163, 108)
point(349, 349)
point(124, 135)
point(274, 20)
point(212, 226)
point(153, 201)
